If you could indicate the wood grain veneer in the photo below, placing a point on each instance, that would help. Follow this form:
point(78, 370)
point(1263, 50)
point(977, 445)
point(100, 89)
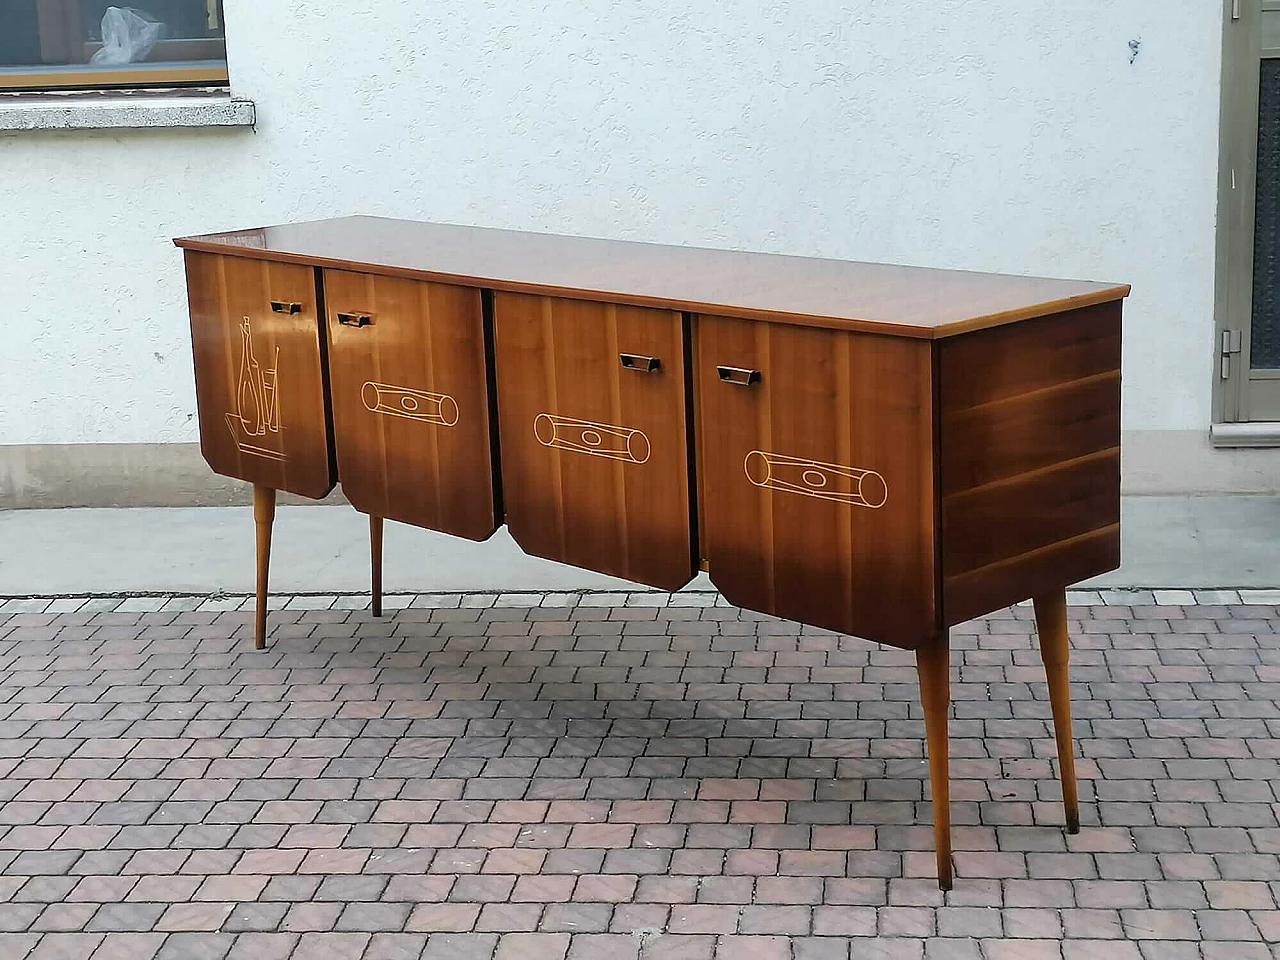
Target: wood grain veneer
point(817, 481)
point(411, 402)
point(595, 456)
point(260, 378)
point(1029, 458)
point(875, 297)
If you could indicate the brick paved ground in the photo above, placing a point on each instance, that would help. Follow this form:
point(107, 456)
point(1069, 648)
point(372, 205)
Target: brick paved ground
point(614, 783)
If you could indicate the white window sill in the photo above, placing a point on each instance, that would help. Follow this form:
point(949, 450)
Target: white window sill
point(1259, 434)
point(124, 110)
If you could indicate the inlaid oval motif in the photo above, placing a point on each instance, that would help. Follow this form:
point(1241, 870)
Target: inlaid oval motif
point(596, 439)
point(392, 401)
point(813, 478)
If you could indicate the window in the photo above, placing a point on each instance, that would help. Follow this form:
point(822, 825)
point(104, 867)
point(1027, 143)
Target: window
point(70, 44)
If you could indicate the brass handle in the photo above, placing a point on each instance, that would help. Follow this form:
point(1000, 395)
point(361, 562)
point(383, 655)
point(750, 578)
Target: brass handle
point(738, 375)
point(355, 319)
point(286, 306)
point(635, 362)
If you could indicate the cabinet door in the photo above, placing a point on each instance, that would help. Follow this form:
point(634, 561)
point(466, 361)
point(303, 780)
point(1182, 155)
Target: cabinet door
point(411, 401)
point(255, 336)
point(816, 460)
point(594, 435)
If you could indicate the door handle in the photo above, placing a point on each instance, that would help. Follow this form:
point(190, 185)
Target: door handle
point(286, 306)
point(355, 319)
point(634, 361)
point(738, 375)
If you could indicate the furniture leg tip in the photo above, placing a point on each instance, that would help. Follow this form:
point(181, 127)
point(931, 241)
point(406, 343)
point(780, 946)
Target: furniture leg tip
point(944, 884)
point(1073, 825)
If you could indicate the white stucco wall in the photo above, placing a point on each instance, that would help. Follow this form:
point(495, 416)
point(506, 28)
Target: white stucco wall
point(1005, 135)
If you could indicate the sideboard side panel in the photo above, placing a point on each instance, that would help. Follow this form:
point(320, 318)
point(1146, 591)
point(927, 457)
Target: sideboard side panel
point(818, 480)
point(1030, 458)
point(260, 387)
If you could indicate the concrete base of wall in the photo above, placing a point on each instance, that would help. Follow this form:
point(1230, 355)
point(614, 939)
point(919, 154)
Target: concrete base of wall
point(118, 475)
point(1185, 462)
point(175, 475)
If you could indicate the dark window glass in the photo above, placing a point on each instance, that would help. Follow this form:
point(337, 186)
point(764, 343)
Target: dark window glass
point(1264, 345)
point(95, 43)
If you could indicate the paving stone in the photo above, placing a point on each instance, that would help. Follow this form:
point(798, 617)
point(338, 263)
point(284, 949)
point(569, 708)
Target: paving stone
point(648, 598)
point(265, 946)
point(602, 599)
point(694, 599)
point(559, 600)
point(460, 946)
point(66, 946)
point(518, 600)
point(142, 604)
point(1127, 598)
point(308, 602)
point(66, 605)
point(196, 946)
point(137, 946)
point(126, 917)
point(1217, 597)
point(604, 947)
point(222, 604)
point(255, 917)
point(533, 946)
point(24, 605)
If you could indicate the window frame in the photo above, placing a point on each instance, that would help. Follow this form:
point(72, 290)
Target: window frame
point(60, 28)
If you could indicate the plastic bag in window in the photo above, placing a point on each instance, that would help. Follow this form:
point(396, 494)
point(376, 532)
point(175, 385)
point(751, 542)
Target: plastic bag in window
point(128, 34)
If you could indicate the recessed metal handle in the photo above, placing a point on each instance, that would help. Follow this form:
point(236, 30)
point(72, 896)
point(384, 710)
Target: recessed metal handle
point(355, 319)
point(634, 361)
point(286, 306)
point(738, 375)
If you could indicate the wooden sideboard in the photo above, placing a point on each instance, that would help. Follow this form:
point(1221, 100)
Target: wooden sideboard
point(884, 451)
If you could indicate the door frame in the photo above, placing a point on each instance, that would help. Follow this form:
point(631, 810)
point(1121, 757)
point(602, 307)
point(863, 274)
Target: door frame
point(1235, 395)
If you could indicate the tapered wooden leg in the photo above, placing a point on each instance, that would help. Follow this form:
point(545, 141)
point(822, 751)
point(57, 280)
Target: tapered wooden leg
point(933, 663)
point(264, 513)
point(375, 562)
point(1055, 650)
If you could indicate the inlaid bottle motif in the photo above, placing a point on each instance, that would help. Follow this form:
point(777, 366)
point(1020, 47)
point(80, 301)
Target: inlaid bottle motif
point(257, 412)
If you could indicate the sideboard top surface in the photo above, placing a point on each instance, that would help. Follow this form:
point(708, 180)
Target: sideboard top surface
point(873, 297)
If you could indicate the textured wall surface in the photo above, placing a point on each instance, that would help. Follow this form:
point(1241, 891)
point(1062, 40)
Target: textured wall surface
point(1019, 136)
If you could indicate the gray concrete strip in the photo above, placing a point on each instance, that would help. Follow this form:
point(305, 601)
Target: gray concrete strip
point(1168, 542)
point(203, 550)
point(1219, 541)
